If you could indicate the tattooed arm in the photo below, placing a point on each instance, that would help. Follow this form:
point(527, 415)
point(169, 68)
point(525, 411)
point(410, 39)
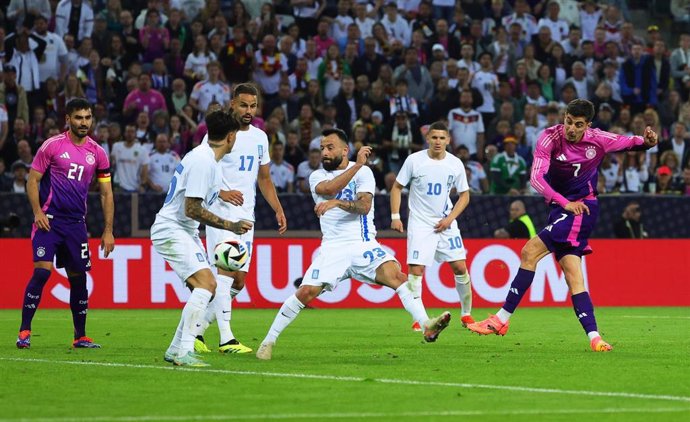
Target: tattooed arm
point(361, 205)
point(194, 210)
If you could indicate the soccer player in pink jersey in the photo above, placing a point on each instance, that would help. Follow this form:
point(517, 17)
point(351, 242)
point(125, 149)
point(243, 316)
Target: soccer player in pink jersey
point(565, 172)
point(57, 187)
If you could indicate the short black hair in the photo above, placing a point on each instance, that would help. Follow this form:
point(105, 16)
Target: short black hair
point(246, 88)
point(438, 126)
point(581, 108)
point(220, 123)
point(338, 132)
point(77, 104)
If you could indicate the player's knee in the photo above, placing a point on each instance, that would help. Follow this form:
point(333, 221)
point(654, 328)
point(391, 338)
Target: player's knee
point(306, 294)
point(528, 255)
point(459, 267)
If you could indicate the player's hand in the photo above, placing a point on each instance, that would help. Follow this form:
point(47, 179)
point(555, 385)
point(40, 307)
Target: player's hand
point(282, 222)
point(107, 243)
point(443, 225)
point(397, 225)
point(234, 197)
point(321, 208)
point(577, 208)
point(42, 221)
point(650, 137)
point(241, 227)
point(363, 155)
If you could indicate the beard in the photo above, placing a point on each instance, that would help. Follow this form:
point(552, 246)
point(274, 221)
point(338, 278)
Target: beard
point(332, 164)
point(76, 131)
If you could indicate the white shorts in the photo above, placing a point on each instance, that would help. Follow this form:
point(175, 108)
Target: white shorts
point(215, 236)
point(184, 252)
point(337, 262)
point(424, 245)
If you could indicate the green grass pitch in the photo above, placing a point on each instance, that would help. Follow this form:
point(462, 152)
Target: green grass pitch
point(353, 365)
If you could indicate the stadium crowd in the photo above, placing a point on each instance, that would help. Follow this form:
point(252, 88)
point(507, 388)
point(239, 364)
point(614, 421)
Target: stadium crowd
point(498, 71)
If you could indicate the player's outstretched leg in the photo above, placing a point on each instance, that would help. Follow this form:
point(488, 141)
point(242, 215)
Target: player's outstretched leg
point(79, 305)
point(499, 323)
point(32, 298)
point(287, 313)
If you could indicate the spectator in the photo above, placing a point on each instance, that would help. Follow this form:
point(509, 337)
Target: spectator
point(270, 67)
point(23, 53)
point(686, 181)
point(154, 38)
point(6, 179)
point(282, 173)
point(195, 67)
point(212, 89)
point(632, 174)
point(396, 26)
point(478, 181)
point(604, 119)
point(348, 104)
point(53, 62)
point(666, 184)
point(485, 82)
point(162, 164)
point(180, 136)
point(678, 143)
point(306, 125)
point(663, 69)
point(680, 65)
point(584, 86)
point(141, 19)
point(508, 170)
point(236, 56)
point(285, 101)
point(129, 33)
point(522, 17)
point(19, 172)
point(294, 154)
point(306, 168)
point(638, 81)
point(466, 127)
point(145, 136)
point(401, 139)
point(74, 17)
point(520, 225)
point(670, 159)
point(25, 12)
point(130, 162)
point(629, 226)
point(144, 98)
point(306, 13)
point(24, 154)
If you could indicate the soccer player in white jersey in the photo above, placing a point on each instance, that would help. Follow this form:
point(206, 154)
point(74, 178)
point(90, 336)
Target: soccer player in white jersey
point(246, 166)
point(432, 229)
point(175, 235)
point(343, 192)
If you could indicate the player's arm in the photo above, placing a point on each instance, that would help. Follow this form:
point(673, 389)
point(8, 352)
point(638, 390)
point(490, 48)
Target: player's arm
point(40, 219)
point(360, 206)
point(458, 208)
point(108, 205)
point(396, 199)
point(338, 183)
point(268, 190)
point(194, 210)
point(616, 142)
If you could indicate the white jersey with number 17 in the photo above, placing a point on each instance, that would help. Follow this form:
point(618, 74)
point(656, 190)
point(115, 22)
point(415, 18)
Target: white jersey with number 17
point(241, 170)
point(430, 184)
point(342, 226)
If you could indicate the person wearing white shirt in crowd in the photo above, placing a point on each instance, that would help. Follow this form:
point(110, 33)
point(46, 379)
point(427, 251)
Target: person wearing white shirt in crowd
point(54, 61)
point(432, 229)
point(590, 15)
point(130, 161)
point(282, 172)
point(486, 82)
point(559, 27)
point(140, 21)
point(363, 21)
point(198, 59)
point(210, 90)
point(26, 10)
point(343, 192)
point(162, 164)
point(306, 168)
point(397, 27)
point(466, 126)
point(467, 60)
point(270, 67)
point(523, 18)
point(63, 14)
point(341, 21)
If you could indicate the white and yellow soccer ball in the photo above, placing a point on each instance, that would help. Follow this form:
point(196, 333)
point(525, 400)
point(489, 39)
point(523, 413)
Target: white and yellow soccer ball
point(230, 255)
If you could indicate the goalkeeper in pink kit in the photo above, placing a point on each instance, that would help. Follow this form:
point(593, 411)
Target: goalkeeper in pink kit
point(565, 172)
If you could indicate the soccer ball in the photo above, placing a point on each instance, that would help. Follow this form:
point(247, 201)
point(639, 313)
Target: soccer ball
point(230, 255)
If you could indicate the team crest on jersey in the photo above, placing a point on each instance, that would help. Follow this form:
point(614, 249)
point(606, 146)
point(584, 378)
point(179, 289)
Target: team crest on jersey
point(315, 274)
point(590, 152)
point(40, 252)
point(261, 152)
point(200, 257)
point(90, 158)
point(415, 255)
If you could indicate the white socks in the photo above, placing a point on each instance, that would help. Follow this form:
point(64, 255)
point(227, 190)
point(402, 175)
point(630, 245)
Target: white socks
point(223, 308)
point(464, 288)
point(412, 304)
point(287, 313)
point(503, 315)
point(192, 318)
point(415, 282)
point(593, 334)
